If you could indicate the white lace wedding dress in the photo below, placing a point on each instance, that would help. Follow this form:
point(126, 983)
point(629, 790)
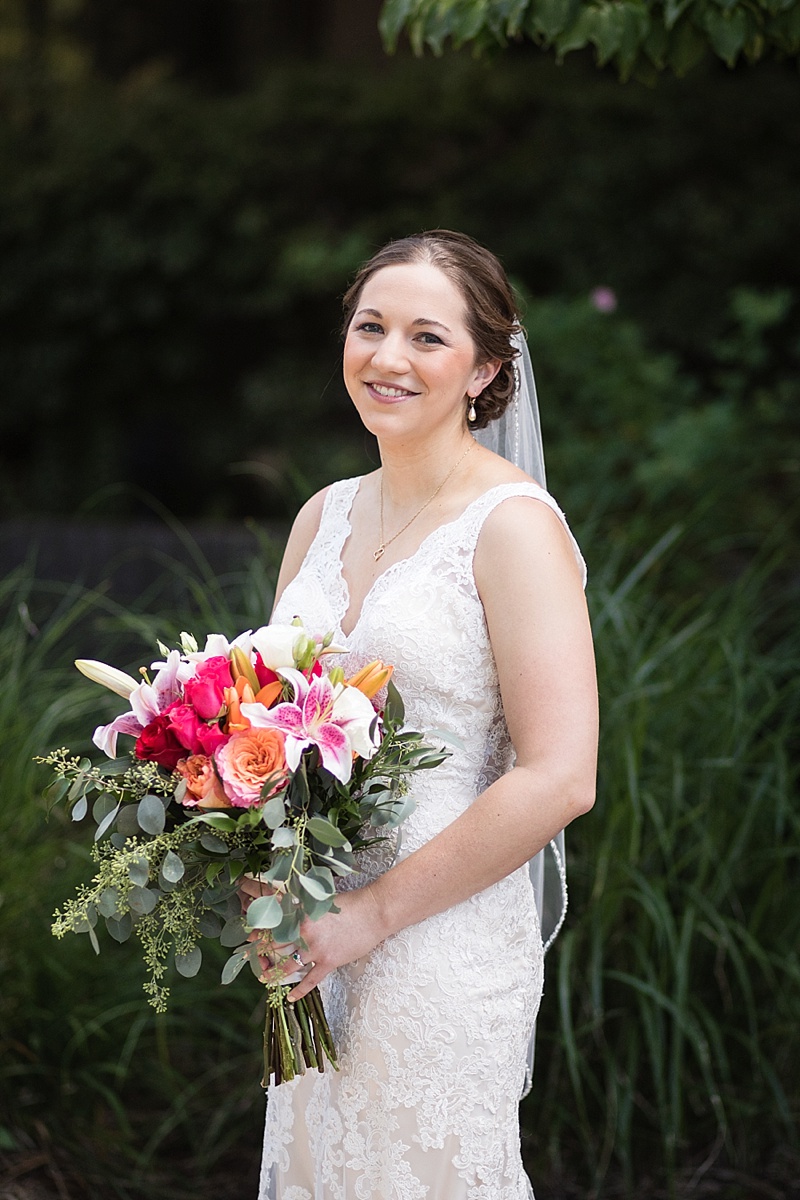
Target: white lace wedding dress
point(432, 1027)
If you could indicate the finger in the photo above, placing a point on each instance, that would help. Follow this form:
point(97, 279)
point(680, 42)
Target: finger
point(312, 977)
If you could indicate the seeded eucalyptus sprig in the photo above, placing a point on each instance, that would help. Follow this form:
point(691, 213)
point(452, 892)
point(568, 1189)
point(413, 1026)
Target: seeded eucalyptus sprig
point(169, 872)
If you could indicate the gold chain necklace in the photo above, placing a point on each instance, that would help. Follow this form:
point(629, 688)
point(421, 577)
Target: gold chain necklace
point(387, 542)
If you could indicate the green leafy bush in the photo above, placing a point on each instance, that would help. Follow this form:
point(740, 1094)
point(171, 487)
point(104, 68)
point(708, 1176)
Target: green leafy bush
point(668, 1038)
point(172, 260)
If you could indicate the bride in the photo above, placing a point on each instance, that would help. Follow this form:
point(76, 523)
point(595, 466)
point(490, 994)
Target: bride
point(457, 567)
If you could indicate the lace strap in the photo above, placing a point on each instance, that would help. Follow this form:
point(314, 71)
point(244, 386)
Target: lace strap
point(477, 512)
point(334, 522)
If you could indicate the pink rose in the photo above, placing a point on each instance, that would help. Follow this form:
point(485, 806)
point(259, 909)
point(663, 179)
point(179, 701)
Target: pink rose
point(247, 760)
point(185, 725)
point(206, 690)
point(196, 736)
point(211, 737)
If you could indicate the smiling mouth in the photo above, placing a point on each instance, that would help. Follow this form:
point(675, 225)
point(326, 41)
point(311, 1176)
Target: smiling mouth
point(391, 393)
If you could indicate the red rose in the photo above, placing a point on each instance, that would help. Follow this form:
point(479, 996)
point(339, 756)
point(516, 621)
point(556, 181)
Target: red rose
point(206, 690)
point(157, 743)
point(263, 674)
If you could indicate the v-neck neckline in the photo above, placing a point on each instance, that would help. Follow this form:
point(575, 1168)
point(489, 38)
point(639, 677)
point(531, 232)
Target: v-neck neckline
point(400, 562)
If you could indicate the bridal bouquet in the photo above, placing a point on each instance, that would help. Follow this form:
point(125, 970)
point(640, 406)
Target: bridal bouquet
point(251, 758)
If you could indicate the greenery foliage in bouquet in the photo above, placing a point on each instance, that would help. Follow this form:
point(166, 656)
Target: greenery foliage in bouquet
point(251, 758)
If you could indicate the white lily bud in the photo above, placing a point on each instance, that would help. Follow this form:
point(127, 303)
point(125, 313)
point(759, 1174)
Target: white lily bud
point(109, 677)
point(188, 643)
point(162, 649)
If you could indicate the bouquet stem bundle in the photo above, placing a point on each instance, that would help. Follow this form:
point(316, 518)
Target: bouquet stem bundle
point(296, 1036)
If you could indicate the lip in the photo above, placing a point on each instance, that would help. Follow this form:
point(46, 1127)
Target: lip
point(373, 384)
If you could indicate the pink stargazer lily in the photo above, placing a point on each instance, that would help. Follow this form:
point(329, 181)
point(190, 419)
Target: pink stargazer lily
point(147, 701)
point(336, 719)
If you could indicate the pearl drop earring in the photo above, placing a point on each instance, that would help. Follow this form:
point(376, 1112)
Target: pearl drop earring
point(471, 414)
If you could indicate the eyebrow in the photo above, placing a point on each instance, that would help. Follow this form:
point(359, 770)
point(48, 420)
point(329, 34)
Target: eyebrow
point(373, 312)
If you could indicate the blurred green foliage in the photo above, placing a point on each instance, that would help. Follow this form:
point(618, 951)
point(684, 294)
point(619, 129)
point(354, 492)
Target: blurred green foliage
point(639, 37)
point(172, 260)
point(668, 1037)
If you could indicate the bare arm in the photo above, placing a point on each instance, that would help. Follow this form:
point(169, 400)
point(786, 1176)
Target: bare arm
point(303, 532)
point(538, 624)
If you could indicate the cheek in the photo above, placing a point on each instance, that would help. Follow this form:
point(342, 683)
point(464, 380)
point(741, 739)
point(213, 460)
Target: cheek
point(351, 359)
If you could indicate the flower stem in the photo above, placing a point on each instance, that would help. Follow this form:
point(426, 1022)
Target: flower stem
point(296, 1036)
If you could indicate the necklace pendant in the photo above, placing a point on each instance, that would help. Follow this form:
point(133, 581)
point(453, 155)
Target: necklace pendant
point(379, 553)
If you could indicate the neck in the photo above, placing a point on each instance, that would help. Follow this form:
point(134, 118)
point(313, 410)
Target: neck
point(411, 472)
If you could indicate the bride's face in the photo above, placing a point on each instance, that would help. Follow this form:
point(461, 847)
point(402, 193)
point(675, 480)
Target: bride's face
point(409, 359)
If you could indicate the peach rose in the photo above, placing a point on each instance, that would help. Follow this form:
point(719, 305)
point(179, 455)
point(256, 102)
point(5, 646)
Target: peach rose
point(246, 762)
point(203, 787)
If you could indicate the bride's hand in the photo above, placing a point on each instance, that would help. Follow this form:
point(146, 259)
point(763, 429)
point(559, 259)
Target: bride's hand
point(339, 938)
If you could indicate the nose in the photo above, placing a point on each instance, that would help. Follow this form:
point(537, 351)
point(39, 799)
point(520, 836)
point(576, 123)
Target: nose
point(391, 355)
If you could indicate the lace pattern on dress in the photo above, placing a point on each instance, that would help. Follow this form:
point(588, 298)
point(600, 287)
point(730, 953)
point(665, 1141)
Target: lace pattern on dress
point(432, 1033)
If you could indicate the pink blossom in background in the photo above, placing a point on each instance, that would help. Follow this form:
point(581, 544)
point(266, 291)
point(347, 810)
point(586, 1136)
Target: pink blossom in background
point(604, 299)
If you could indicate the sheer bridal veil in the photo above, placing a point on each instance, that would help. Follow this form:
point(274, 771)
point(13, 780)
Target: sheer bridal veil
point(517, 437)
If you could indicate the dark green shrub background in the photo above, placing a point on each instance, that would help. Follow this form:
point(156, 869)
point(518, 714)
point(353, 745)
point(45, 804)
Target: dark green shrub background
point(172, 259)
point(172, 263)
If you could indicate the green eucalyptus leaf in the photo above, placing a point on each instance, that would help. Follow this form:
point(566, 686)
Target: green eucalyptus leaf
point(209, 924)
point(233, 966)
point(107, 905)
point(264, 913)
point(314, 909)
point(289, 928)
point(120, 927)
point(283, 838)
point(56, 790)
point(93, 940)
point(217, 821)
point(139, 871)
point(172, 867)
point(315, 887)
point(150, 815)
point(280, 870)
point(105, 824)
point(212, 843)
point(80, 809)
point(189, 964)
point(127, 822)
point(233, 932)
point(142, 900)
point(325, 832)
point(117, 766)
point(273, 813)
point(77, 789)
point(103, 805)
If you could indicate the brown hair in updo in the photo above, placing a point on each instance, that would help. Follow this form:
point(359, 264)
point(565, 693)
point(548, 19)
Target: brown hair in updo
point(491, 311)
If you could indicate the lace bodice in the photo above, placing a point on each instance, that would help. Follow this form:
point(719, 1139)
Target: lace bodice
point(432, 1043)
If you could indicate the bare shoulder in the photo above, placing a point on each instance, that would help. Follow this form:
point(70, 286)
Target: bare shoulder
point(303, 531)
point(306, 523)
point(524, 529)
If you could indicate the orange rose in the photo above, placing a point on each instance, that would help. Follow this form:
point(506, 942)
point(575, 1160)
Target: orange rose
point(247, 761)
point(203, 787)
